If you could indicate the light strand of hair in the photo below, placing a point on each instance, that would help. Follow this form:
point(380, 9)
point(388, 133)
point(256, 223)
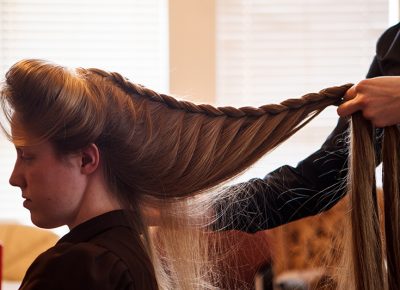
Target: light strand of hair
point(366, 260)
point(390, 155)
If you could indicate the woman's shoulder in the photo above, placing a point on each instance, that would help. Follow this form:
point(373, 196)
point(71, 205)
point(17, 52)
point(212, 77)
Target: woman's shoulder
point(78, 266)
point(102, 253)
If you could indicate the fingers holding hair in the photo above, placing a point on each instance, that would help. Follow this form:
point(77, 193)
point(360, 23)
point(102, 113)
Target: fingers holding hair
point(377, 98)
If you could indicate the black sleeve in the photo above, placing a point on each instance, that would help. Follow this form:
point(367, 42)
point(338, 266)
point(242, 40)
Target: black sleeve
point(289, 193)
point(387, 59)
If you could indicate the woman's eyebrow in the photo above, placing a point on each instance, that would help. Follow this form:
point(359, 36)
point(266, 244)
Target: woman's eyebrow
point(21, 148)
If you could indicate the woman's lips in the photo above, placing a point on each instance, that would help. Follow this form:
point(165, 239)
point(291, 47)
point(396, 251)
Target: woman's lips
point(26, 203)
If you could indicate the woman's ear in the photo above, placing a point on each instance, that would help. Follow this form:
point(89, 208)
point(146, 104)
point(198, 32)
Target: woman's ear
point(90, 159)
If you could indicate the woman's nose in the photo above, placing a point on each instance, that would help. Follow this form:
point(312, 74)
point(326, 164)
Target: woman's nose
point(17, 178)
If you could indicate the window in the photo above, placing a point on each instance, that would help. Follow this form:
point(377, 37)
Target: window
point(268, 51)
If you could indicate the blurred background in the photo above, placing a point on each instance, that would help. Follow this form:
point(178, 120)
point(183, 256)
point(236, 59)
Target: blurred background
point(223, 52)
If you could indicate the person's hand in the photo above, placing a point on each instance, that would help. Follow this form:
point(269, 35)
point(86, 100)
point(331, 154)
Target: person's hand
point(377, 98)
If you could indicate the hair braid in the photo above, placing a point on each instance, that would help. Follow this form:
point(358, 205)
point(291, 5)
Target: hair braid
point(214, 144)
point(332, 95)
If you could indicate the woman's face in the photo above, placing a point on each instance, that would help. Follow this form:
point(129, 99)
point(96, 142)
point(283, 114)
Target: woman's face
point(52, 185)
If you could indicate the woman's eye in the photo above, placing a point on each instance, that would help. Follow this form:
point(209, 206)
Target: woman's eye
point(26, 158)
point(23, 155)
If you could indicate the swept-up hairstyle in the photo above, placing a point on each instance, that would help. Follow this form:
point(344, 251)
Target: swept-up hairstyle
point(153, 147)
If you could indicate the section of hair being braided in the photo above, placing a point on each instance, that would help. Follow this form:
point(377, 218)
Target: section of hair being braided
point(208, 145)
point(371, 259)
point(330, 96)
point(391, 171)
point(365, 250)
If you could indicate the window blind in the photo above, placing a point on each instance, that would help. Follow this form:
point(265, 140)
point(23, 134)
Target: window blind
point(127, 36)
point(268, 51)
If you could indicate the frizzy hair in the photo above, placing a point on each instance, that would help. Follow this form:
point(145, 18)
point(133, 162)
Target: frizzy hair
point(154, 148)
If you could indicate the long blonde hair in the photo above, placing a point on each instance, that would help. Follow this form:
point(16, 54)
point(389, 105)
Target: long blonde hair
point(371, 253)
point(156, 150)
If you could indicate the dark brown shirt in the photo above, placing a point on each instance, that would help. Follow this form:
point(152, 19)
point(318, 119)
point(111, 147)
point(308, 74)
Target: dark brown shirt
point(102, 253)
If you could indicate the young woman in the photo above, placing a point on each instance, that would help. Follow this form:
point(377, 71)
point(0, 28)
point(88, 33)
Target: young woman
point(95, 150)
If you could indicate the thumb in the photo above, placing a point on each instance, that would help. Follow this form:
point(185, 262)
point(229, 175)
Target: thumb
point(348, 108)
